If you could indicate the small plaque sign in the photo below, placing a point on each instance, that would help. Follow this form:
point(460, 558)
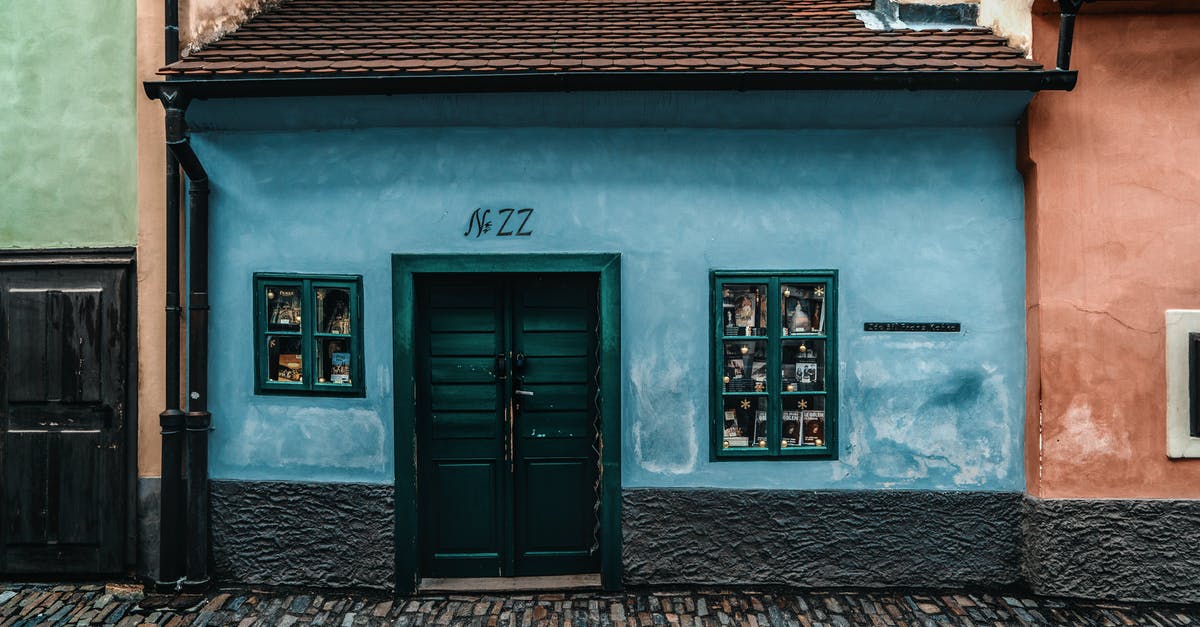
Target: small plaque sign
point(913, 327)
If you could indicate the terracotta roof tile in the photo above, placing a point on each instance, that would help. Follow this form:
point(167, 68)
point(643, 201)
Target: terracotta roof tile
point(455, 36)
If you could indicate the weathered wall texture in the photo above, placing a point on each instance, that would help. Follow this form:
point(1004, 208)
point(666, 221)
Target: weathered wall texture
point(204, 21)
point(151, 275)
point(1117, 197)
point(1008, 19)
point(1117, 548)
point(322, 534)
point(923, 224)
point(67, 128)
point(876, 538)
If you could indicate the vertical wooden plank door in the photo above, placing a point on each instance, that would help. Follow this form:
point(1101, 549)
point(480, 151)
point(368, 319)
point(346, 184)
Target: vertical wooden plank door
point(507, 424)
point(63, 358)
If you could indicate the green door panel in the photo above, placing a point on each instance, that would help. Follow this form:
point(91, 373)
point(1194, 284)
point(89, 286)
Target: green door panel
point(507, 414)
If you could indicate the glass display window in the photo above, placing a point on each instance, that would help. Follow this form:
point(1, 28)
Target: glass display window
point(309, 334)
point(774, 354)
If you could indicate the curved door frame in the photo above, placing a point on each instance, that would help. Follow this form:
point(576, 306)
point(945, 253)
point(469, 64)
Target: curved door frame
point(404, 269)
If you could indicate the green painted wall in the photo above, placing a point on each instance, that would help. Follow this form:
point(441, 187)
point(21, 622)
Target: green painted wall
point(68, 135)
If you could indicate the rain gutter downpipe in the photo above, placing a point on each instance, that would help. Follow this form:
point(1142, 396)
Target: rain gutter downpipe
point(1068, 9)
point(171, 420)
point(197, 419)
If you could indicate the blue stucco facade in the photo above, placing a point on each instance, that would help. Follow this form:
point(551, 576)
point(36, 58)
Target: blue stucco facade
point(913, 197)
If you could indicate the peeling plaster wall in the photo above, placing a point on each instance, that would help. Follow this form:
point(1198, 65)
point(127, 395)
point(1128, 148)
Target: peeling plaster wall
point(1117, 195)
point(204, 21)
point(1009, 19)
point(924, 223)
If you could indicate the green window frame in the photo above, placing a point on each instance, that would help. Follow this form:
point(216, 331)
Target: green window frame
point(317, 320)
point(774, 365)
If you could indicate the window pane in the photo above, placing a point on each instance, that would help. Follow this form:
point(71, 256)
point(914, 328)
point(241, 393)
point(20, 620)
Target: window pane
point(803, 421)
point(803, 365)
point(334, 361)
point(284, 359)
point(803, 308)
point(745, 365)
point(333, 310)
point(745, 422)
point(744, 309)
point(284, 308)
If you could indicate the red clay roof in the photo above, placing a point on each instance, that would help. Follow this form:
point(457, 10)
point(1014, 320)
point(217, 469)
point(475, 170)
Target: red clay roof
point(373, 37)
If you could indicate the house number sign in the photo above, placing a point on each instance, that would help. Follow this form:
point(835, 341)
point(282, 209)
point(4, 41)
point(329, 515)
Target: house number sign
point(914, 327)
point(511, 223)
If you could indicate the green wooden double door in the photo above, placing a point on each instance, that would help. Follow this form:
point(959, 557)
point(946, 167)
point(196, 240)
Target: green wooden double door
point(507, 424)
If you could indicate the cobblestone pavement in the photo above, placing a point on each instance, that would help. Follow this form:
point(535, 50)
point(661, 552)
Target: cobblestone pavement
point(125, 605)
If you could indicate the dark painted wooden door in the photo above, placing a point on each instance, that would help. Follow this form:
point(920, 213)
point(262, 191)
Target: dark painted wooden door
point(507, 417)
point(63, 377)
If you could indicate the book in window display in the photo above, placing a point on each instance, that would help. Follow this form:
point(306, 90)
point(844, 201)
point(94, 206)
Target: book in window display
point(760, 429)
point(733, 432)
point(339, 371)
point(744, 309)
point(803, 309)
point(745, 367)
point(814, 427)
point(791, 427)
point(285, 359)
point(290, 367)
point(333, 311)
point(745, 421)
point(283, 308)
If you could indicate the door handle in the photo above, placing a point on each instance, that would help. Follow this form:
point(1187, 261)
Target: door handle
point(510, 446)
point(523, 392)
point(500, 370)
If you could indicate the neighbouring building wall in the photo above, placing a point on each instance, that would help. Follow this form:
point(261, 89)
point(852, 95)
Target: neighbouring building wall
point(151, 165)
point(67, 134)
point(1116, 193)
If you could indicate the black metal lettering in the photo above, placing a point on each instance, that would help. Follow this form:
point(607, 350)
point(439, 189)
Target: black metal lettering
point(521, 229)
point(479, 223)
point(501, 232)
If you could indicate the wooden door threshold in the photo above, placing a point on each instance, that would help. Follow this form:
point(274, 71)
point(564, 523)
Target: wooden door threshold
point(511, 584)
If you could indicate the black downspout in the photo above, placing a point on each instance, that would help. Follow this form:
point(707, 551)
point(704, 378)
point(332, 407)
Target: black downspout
point(171, 420)
point(197, 419)
point(1068, 9)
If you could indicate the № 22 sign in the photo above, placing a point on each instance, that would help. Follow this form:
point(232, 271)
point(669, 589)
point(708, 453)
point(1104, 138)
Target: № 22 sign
point(512, 223)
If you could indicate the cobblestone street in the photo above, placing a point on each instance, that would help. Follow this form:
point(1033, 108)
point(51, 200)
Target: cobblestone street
point(125, 605)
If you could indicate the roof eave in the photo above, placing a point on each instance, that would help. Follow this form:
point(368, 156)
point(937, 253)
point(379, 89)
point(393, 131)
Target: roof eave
point(393, 84)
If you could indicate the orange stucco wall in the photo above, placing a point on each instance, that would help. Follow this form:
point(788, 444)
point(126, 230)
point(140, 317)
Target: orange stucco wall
point(151, 160)
point(1113, 193)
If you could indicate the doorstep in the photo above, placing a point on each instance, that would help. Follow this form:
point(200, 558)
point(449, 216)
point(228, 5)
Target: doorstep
point(510, 584)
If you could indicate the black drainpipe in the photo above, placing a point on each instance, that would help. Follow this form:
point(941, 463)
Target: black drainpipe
point(1068, 9)
point(197, 419)
point(171, 420)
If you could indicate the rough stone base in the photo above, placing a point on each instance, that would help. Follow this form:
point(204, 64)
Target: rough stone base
point(1115, 549)
point(311, 534)
point(341, 535)
point(812, 538)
